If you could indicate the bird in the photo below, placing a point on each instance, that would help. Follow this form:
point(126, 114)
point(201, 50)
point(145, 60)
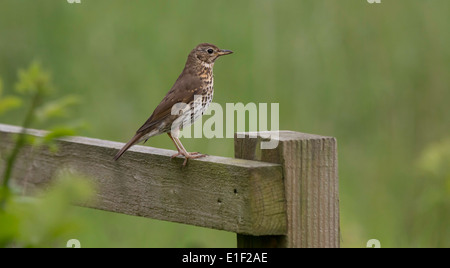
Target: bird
point(186, 101)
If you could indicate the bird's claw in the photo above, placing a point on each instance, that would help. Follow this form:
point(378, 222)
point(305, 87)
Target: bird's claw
point(192, 156)
point(175, 155)
point(188, 156)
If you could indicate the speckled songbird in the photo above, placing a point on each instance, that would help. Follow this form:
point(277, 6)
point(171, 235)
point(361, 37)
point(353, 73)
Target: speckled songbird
point(186, 101)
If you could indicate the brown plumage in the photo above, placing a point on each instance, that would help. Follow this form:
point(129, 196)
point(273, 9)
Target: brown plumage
point(196, 79)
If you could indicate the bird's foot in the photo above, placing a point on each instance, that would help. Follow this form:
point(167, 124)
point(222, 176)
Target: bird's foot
point(175, 155)
point(192, 156)
point(187, 156)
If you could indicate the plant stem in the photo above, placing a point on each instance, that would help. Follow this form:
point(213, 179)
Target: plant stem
point(21, 139)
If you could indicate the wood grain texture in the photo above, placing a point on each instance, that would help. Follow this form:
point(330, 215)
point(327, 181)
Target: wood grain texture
point(246, 197)
point(311, 188)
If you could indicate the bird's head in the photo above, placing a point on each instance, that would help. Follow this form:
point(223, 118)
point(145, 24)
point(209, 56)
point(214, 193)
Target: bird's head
point(208, 53)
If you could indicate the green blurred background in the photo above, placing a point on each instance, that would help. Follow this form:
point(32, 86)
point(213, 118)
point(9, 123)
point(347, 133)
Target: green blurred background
point(376, 76)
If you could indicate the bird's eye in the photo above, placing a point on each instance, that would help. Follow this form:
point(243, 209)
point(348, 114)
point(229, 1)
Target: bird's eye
point(210, 51)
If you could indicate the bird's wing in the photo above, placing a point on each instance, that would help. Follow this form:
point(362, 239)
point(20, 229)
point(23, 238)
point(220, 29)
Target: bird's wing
point(183, 91)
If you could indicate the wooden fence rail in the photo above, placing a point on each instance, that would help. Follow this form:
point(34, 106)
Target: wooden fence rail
point(289, 200)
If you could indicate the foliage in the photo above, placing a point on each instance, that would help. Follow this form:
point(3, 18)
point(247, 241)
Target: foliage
point(47, 219)
point(8, 102)
point(42, 221)
point(34, 84)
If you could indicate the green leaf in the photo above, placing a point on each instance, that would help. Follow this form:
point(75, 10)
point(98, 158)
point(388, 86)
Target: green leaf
point(45, 221)
point(33, 80)
point(57, 109)
point(8, 228)
point(59, 132)
point(9, 103)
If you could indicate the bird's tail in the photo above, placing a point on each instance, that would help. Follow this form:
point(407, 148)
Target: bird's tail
point(127, 146)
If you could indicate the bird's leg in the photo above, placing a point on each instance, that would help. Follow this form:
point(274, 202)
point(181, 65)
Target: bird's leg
point(182, 151)
point(176, 145)
point(186, 154)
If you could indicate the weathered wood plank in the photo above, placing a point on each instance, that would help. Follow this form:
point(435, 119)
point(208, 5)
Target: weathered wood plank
point(311, 188)
point(246, 197)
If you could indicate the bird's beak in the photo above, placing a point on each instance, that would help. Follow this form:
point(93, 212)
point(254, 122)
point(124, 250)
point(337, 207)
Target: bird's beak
point(224, 52)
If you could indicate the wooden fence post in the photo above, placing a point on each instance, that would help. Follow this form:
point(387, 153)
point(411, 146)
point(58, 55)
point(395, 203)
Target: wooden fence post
point(309, 165)
point(235, 195)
